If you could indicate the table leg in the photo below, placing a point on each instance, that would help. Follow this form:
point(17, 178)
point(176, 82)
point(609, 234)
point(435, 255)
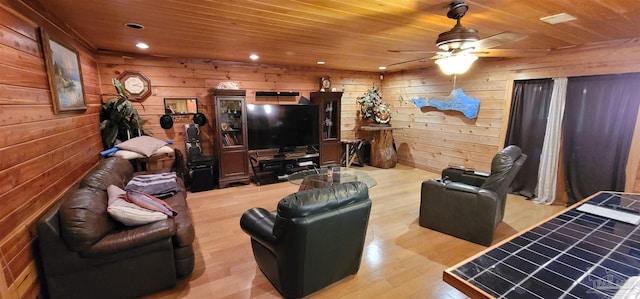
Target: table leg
point(382, 153)
point(347, 161)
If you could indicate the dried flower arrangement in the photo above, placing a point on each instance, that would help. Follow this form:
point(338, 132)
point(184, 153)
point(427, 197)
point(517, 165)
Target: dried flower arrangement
point(371, 105)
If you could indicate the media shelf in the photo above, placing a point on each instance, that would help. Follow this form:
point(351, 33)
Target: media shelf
point(270, 169)
point(231, 137)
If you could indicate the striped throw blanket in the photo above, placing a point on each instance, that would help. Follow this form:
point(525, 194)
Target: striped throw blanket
point(161, 185)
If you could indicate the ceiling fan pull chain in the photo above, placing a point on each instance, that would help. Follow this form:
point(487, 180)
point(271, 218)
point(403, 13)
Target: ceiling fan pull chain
point(454, 81)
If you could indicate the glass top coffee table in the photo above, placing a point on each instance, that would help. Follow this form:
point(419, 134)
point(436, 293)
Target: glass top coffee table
point(325, 176)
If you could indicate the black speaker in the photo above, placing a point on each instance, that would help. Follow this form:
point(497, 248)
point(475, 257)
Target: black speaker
point(166, 121)
point(199, 119)
point(193, 149)
point(192, 132)
point(202, 178)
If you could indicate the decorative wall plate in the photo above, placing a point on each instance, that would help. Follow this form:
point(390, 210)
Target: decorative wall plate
point(136, 84)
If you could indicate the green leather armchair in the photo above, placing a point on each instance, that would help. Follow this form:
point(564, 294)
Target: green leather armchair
point(471, 209)
point(315, 238)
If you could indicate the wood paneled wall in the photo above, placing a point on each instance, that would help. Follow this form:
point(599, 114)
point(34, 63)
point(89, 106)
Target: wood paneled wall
point(432, 139)
point(179, 78)
point(43, 153)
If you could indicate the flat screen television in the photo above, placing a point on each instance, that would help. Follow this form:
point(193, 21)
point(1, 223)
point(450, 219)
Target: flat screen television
point(282, 126)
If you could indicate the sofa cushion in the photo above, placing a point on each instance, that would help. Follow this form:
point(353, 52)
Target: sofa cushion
point(129, 213)
point(83, 218)
point(110, 171)
point(185, 233)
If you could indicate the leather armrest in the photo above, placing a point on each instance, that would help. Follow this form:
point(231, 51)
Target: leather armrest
point(437, 190)
point(481, 174)
point(472, 178)
point(258, 223)
point(461, 187)
point(133, 237)
point(466, 176)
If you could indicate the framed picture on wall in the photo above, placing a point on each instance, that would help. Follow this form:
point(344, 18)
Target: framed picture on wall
point(64, 73)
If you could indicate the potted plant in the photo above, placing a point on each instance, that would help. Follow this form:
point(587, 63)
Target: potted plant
point(119, 119)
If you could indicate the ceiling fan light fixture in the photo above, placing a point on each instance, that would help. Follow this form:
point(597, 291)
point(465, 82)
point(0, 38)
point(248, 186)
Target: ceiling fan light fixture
point(458, 37)
point(456, 64)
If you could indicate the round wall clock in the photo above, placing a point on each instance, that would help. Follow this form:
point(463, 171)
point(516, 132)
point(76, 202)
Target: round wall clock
point(136, 84)
point(325, 83)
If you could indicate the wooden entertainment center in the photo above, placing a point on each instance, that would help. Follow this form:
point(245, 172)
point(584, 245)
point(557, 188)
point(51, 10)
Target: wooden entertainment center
point(269, 168)
point(236, 162)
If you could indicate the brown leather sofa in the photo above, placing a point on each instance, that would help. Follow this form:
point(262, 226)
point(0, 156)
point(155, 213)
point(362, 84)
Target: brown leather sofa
point(314, 239)
point(470, 206)
point(84, 253)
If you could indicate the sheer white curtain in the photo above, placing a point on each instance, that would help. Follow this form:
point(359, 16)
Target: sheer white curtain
point(548, 170)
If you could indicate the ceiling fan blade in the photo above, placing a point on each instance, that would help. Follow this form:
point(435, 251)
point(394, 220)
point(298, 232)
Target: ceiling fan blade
point(423, 59)
point(511, 52)
point(411, 51)
point(438, 8)
point(443, 54)
point(498, 39)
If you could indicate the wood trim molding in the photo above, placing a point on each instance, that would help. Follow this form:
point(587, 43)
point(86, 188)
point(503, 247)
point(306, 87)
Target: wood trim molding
point(506, 112)
point(4, 290)
point(633, 160)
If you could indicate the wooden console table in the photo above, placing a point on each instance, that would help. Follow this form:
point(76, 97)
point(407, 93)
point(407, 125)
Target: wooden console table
point(382, 153)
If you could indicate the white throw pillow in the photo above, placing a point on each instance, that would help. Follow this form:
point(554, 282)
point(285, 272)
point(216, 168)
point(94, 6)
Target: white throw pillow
point(125, 154)
point(129, 155)
point(128, 213)
point(164, 150)
point(145, 145)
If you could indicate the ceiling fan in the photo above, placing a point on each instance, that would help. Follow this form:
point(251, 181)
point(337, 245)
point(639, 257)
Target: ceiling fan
point(465, 42)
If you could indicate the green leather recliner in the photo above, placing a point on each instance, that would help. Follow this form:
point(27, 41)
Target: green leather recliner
point(315, 238)
point(471, 207)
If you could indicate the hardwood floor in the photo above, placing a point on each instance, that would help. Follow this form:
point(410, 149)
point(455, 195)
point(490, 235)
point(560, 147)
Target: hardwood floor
point(401, 259)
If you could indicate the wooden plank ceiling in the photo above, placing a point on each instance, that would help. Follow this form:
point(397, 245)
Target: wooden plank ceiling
point(346, 34)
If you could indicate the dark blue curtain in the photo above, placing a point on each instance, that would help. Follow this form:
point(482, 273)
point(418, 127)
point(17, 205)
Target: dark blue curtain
point(527, 125)
point(599, 119)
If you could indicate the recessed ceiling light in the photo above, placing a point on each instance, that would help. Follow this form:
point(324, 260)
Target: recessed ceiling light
point(559, 18)
point(134, 26)
point(320, 62)
point(254, 57)
point(142, 46)
point(382, 68)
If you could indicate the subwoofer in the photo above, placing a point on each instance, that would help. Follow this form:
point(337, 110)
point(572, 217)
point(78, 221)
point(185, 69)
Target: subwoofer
point(202, 178)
